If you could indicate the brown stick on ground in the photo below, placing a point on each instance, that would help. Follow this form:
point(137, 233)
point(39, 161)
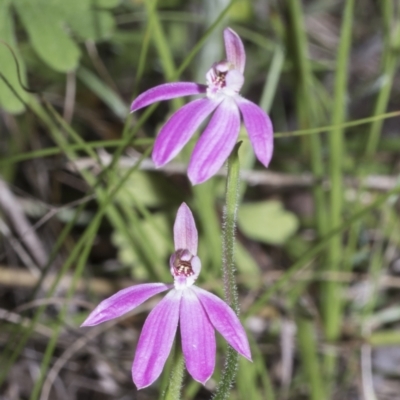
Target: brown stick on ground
point(13, 211)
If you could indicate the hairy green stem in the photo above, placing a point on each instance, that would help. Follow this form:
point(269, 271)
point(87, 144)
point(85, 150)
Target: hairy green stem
point(228, 267)
point(173, 391)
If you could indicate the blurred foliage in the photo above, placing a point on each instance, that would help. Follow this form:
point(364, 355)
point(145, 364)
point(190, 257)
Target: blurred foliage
point(51, 26)
point(306, 260)
point(267, 222)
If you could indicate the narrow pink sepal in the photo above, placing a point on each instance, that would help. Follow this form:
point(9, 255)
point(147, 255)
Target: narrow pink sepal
point(234, 48)
point(123, 301)
point(180, 128)
point(259, 128)
point(215, 143)
point(167, 91)
point(198, 338)
point(156, 340)
point(224, 321)
point(185, 231)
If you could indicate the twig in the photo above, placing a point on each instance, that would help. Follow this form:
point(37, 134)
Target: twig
point(17, 277)
point(99, 65)
point(70, 91)
point(254, 178)
point(19, 249)
point(25, 322)
point(366, 373)
point(22, 226)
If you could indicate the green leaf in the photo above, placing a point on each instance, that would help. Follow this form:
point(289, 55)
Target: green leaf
point(47, 35)
point(93, 25)
point(85, 18)
point(50, 24)
point(267, 222)
point(8, 100)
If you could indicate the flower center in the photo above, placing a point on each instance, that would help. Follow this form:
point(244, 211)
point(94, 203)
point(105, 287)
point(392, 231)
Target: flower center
point(182, 264)
point(216, 76)
point(219, 80)
point(223, 78)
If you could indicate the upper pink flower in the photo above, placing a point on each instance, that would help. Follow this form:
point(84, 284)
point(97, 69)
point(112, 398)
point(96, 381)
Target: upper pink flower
point(224, 81)
point(197, 312)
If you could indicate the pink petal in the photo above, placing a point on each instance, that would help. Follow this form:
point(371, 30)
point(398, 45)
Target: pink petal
point(234, 81)
point(180, 128)
point(156, 340)
point(185, 231)
point(198, 338)
point(224, 321)
point(259, 128)
point(165, 92)
point(216, 142)
point(123, 301)
point(234, 48)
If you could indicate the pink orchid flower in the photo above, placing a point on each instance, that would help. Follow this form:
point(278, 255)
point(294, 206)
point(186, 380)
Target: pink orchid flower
point(224, 81)
point(197, 312)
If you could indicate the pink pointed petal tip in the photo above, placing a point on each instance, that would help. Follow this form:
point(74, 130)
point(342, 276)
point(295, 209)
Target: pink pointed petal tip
point(224, 321)
point(235, 53)
point(198, 338)
point(259, 128)
point(123, 301)
point(180, 128)
point(156, 340)
point(167, 91)
point(185, 231)
point(216, 143)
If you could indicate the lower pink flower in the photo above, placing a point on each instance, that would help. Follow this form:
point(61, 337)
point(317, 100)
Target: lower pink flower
point(197, 312)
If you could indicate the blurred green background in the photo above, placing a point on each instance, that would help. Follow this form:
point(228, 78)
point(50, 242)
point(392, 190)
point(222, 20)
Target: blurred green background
point(84, 213)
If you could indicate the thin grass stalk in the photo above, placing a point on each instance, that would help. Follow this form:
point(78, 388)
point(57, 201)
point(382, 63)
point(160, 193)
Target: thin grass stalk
point(308, 116)
point(262, 369)
point(307, 108)
point(377, 263)
point(144, 50)
point(162, 46)
point(389, 65)
point(308, 351)
point(272, 79)
point(331, 291)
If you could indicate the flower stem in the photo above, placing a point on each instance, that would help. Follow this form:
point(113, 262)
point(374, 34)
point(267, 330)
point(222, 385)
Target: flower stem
point(229, 229)
point(228, 266)
point(173, 391)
